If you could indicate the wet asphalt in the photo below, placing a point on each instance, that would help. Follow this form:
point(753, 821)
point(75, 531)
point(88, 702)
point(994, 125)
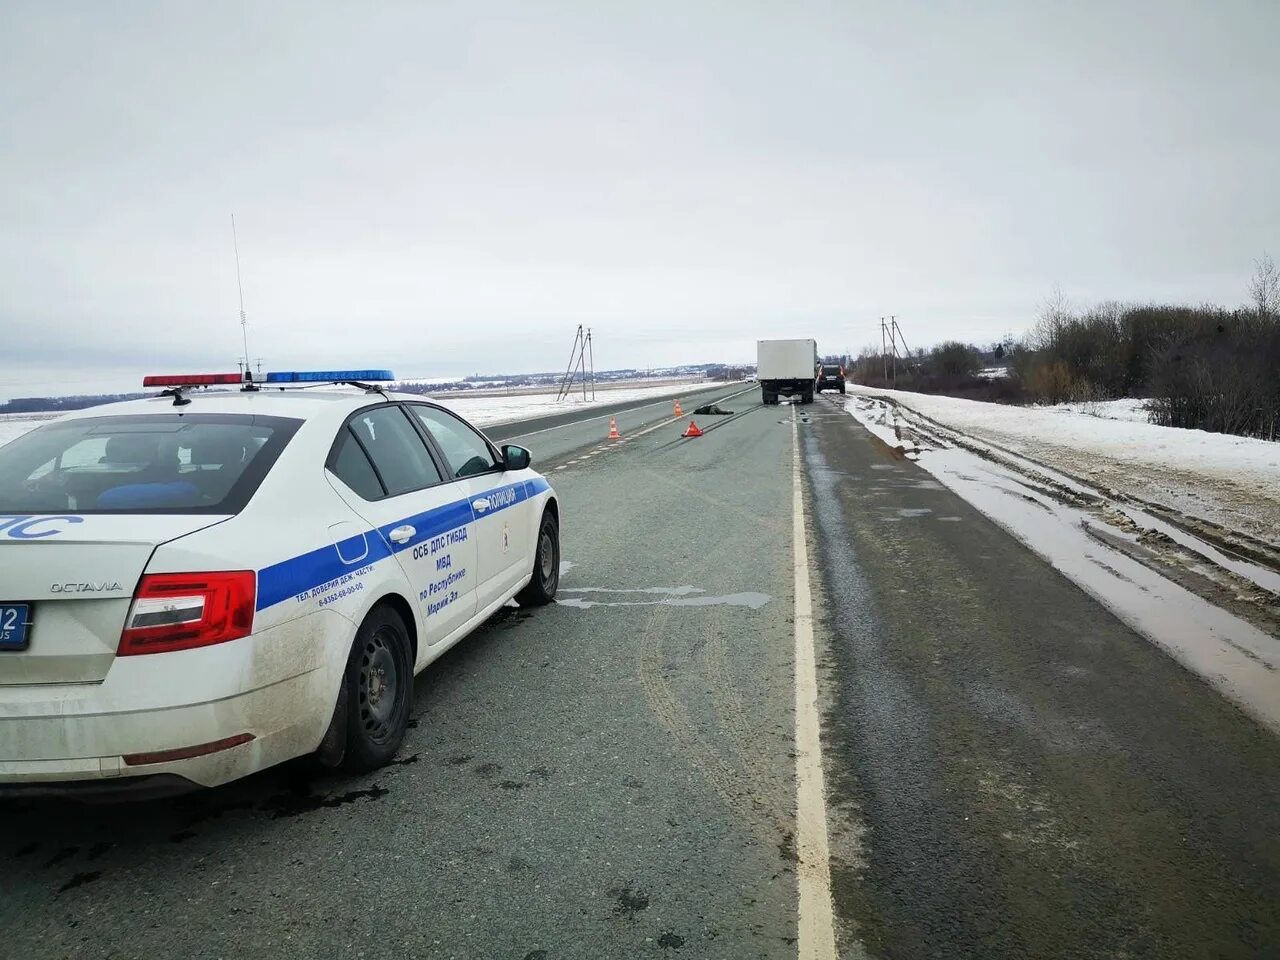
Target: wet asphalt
point(1017, 772)
point(1011, 772)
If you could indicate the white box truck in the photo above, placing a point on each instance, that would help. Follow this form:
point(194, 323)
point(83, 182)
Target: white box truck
point(786, 367)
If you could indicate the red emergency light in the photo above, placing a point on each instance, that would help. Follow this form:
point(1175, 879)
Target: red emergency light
point(191, 379)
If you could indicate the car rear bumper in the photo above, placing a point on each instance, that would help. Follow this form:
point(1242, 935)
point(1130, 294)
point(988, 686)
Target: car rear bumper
point(62, 738)
point(284, 720)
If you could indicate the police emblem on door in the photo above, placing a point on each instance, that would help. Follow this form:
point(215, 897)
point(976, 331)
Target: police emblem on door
point(506, 538)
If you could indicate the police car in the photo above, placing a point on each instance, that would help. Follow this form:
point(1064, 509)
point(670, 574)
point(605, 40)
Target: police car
point(201, 584)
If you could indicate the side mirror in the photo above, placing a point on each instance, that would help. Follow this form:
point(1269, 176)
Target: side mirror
point(515, 458)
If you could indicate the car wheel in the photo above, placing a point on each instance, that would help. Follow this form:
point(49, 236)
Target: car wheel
point(541, 590)
point(378, 691)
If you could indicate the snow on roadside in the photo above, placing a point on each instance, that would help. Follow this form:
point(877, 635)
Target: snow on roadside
point(16, 424)
point(482, 411)
point(486, 411)
point(1231, 481)
point(1129, 410)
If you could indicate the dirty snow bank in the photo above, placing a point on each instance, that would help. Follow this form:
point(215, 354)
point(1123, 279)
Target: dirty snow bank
point(1089, 543)
point(1231, 481)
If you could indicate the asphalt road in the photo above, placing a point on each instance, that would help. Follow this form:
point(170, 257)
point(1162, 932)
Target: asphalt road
point(1010, 771)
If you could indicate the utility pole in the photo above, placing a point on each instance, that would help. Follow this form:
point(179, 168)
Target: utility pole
point(884, 348)
point(897, 332)
point(893, 328)
point(575, 360)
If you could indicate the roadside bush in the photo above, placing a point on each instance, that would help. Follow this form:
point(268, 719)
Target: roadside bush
point(1202, 367)
point(952, 369)
point(1222, 376)
point(954, 360)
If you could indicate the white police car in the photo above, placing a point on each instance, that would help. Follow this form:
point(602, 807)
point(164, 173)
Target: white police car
point(202, 584)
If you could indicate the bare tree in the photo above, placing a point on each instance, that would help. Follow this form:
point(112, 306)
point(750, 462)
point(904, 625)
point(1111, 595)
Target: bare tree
point(1055, 311)
point(1264, 288)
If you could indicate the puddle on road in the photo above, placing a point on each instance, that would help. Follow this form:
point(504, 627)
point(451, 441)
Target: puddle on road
point(667, 597)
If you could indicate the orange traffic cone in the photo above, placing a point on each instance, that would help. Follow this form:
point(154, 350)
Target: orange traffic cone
point(693, 430)
point(613, 430)
point(677, 412)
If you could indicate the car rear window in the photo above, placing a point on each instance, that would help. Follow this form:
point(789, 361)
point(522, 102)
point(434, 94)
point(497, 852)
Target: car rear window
point(831, 371)
point(155, 463)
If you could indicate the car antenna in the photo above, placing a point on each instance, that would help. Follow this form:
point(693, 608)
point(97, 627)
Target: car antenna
point(246, 370)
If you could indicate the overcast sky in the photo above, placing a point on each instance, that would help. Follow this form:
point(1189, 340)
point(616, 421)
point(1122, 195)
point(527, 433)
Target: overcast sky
point(450, 188)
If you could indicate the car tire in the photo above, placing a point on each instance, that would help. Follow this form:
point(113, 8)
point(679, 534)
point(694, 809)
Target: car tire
point(541, 590)
point(807, 397)
point(378, 691)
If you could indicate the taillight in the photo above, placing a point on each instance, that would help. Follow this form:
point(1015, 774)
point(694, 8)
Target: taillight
point(178, 611)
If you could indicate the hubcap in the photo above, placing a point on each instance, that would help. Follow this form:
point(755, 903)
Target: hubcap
point(379, 686)
point(547, 555)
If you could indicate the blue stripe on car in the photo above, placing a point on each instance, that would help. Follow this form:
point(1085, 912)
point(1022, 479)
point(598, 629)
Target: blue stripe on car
point(298, 575)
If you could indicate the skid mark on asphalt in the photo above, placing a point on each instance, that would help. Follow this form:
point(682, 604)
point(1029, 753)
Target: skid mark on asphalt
point(734, 776)
point(730, 708)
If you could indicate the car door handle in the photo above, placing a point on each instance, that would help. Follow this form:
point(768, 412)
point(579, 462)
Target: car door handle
point(401, 534)
point(481, 504)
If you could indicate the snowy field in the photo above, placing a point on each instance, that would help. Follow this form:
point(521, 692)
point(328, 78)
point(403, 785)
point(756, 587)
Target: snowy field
point(482, 411)
point(14, 425)
point(1231, 481)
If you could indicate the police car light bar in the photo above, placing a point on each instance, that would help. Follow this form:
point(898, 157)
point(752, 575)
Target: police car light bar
point(329, 376)
point(191, 379)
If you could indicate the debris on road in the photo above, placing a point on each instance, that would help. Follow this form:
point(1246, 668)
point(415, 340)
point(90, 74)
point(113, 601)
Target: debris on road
point(712, 409)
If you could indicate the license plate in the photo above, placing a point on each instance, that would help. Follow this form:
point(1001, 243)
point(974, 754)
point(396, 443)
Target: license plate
point(15, 621)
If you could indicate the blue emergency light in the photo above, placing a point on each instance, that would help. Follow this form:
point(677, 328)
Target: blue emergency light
point(329, 376)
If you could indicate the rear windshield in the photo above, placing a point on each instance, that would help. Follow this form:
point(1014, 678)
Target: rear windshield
point(156, 463)
point(832, 371)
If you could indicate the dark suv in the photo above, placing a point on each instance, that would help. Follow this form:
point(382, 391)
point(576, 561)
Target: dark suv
point(830, 377)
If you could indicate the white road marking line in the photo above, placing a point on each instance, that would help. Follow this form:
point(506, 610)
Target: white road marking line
point(816, 931)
